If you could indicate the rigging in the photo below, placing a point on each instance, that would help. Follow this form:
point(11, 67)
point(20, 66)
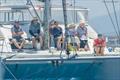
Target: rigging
point(111, 18)
point(29, 2)
point(118, 27)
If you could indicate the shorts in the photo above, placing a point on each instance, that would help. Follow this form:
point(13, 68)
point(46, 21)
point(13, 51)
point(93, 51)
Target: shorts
point(56, 40)
point(37, 36)
point(73, 40)
point(83, 43)
point(18, 39)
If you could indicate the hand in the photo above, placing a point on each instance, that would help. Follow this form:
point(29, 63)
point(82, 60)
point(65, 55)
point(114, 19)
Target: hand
point(19, 33)
point(13, 33)
point(35, 35)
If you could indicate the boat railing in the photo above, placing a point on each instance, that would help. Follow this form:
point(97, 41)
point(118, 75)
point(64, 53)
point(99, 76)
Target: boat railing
point(12, 22)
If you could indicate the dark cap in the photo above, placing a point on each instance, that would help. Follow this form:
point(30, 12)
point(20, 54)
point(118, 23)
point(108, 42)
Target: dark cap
point(99, 35)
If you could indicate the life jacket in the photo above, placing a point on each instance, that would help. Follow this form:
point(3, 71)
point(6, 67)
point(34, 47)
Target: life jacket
point(70, 47)
point(99, 42)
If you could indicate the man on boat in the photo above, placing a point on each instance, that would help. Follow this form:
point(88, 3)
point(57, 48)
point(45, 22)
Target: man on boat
point(17, 38)
point(51, 38)
point(57, 33)
point(72, 36)
point(82, 34)
point(99, 45)
point(35, 32)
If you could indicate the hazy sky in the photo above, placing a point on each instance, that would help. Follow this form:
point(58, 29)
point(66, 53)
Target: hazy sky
point(98, 15)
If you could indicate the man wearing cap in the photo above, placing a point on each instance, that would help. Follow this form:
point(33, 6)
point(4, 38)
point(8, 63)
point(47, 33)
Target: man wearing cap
point(17, 33)
point(99, 45)
point(82, 34)
point(57, 33)
point(72, 35)
point(35, 32)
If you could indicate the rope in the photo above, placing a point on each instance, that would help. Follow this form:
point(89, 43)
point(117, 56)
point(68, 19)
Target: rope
point(9, 70)
point(30, 2)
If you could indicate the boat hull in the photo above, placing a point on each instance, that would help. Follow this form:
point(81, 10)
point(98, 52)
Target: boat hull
point(77, 69)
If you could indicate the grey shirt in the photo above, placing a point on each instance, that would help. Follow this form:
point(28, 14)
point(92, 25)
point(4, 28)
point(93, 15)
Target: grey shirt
point(16, 30)
point(82, 31)
point(35, 28)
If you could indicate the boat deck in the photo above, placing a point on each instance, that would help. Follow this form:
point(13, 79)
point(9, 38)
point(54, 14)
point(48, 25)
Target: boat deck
point(29, 56)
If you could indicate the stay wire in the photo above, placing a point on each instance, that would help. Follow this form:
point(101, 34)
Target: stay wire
point(118, 27)
point(9, 70)
point(31, 3)
point(111, 18)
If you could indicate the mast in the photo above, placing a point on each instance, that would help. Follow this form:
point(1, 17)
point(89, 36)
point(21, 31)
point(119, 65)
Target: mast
point(66, 29)
point(47, 18)
point(65, 13)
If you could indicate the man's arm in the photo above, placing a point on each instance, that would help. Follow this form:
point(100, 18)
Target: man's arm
point(21, 32)
point(39, 29)
point(77, 33)
point(30, 31)
point(61, 32)
point(86, 31)
point(13, 32)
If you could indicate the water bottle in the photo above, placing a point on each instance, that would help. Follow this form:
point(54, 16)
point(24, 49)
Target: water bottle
point(38, 46)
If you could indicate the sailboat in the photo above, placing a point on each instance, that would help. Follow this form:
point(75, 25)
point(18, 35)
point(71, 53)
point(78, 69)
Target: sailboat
point(55, 65)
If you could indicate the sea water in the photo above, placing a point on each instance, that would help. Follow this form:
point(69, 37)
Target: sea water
point(1, 71)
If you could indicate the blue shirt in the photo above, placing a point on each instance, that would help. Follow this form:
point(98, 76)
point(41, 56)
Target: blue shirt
point(35, 28)
point(56, 31)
